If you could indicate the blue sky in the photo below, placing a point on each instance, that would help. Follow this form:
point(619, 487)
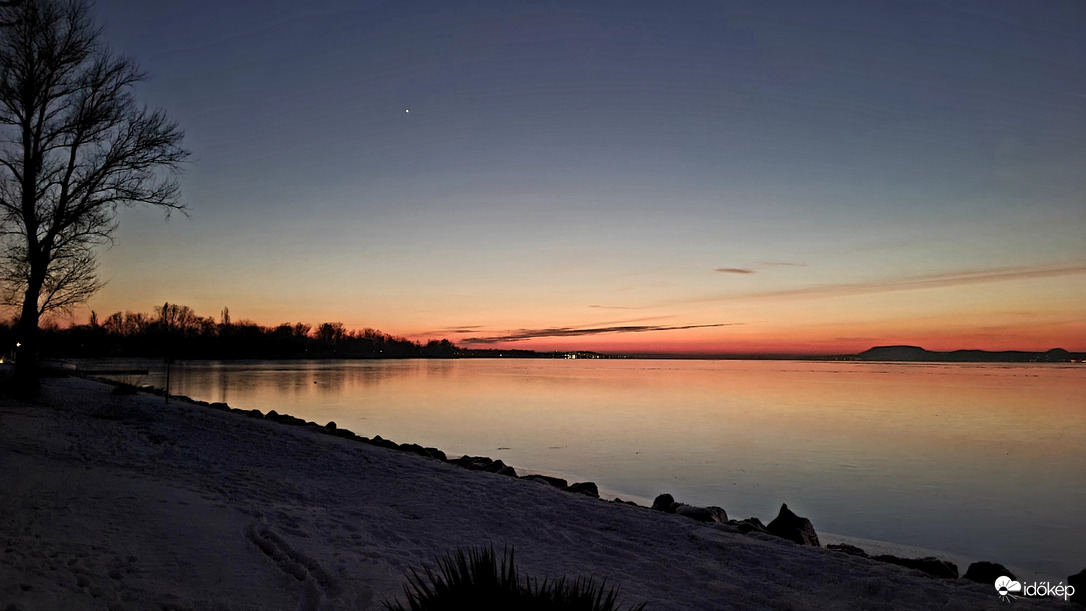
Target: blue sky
point(571, 165)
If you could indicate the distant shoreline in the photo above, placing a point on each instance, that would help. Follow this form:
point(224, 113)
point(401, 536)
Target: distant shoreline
point(891, 354)
point(905, 354)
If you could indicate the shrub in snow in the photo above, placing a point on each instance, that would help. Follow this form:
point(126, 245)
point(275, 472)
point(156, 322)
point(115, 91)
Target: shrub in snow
point(476, 580)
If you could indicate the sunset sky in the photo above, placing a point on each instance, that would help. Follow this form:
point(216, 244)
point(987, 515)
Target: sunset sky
point(695, 177)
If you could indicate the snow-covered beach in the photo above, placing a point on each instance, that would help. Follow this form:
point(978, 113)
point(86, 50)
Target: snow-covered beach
point(126, 502)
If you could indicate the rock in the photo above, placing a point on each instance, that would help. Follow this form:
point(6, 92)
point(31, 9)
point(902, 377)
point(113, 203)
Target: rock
point(1078, 581)
point(331, 426)
point(510, 471)
point(463, 461)
point(845, 548)
point(293, 421)
point(283, 418)
point(703, 514)
point(585, 488)
point(414, 448)
point(788, 525)
point(557, 482)
point(929, 565)
point(477, 463)
point(220, 406)
point(749, 525)
point(384, 443)
point(986, 572)
point(622, 502)
point(344, 433)
point(665, 502)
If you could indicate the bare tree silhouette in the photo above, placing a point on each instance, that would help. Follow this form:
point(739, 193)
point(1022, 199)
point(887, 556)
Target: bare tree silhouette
point(7, 4)
point(74, 146)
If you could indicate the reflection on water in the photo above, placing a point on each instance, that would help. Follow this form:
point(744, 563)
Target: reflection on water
point(984, 460)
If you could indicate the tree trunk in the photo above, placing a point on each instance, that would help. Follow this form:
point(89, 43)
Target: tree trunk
point(27, 337)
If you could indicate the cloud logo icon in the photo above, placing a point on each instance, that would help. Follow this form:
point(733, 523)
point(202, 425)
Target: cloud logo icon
point(1005, 585)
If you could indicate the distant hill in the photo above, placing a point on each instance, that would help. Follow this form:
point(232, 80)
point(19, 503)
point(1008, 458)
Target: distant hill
point(917, 354)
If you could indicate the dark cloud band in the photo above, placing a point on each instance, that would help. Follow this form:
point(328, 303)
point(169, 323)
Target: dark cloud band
point(523, 334)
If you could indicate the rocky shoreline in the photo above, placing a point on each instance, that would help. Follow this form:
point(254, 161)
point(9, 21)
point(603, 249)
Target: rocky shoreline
point(786, 525)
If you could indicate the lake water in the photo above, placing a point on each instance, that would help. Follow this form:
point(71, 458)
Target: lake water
point(986, 461)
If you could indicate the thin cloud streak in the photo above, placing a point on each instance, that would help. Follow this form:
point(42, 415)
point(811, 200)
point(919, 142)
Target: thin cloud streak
point(523, 334)
point(454, 330)
point(756, 267)
point(930, 281)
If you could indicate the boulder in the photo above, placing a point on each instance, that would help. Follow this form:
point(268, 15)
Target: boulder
point(463, 461)
point(557, 482)
point(384, 443)
point(585, 488)
point(929, 565)
point(331, 426)
point(749, 525)
point(703, 514)
point(845, 548)
point(788, 525)
point(719, 515)
point(435, 453)
point(344, 433)
point(220, 406)
point(477, 463)
point(283, 418)
point(986, 572)
point(507, 470)
point(414, 448)
point(665, 502)
point(1078, 581)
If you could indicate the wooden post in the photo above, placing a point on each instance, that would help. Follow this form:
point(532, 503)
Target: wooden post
point(169, 362)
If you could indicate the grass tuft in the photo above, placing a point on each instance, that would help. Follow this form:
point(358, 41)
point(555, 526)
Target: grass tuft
point(477, 580)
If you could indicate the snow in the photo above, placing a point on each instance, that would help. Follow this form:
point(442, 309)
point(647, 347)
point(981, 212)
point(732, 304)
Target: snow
point(124, 502)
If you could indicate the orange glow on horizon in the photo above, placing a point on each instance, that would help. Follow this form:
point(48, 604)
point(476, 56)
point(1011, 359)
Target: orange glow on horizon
point(1033, 316)
point(940, 334)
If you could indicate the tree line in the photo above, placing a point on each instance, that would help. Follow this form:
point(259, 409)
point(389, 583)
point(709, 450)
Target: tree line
point(177, 331)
